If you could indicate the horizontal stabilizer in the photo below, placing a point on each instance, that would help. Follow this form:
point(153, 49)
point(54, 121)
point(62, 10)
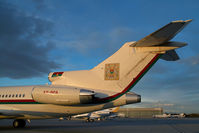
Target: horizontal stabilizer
point(170, 56)
point(161, 49)
point(162, 35)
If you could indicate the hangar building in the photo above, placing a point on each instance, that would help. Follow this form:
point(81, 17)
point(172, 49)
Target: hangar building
point(140, 112)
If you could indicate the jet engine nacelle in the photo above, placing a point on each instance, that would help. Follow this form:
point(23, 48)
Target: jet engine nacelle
point(132, 98)
point(62, 95)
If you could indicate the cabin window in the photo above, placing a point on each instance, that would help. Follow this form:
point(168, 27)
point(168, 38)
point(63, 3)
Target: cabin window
point(23, 95)
point(19, 95)
point(10, 95)
point(16, 95)
point(13, 95)
point(6, 95)
point(2, 95)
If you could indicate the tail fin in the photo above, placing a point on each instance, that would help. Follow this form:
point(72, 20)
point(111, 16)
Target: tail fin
point(121, 71)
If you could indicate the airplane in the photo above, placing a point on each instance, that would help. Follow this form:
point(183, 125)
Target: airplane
point(181, 115)
point(98, 115)
point(104, 86)
point(166, 115)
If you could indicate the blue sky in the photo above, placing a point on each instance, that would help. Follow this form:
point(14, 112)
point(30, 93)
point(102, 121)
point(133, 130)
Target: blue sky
point(40, 36)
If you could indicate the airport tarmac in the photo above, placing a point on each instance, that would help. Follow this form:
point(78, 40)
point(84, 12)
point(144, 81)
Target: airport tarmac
point(123, 125)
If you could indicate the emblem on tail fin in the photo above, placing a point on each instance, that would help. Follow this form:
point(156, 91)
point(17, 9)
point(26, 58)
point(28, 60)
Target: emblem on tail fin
point(112, 71)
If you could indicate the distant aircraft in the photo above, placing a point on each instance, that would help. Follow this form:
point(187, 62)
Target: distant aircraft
point(166, 115)
point(181, 115)
point(162, 116)
point(105, 86)
point(98, 115)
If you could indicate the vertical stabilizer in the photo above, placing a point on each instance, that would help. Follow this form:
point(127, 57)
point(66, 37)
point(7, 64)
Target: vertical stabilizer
point(121, 71)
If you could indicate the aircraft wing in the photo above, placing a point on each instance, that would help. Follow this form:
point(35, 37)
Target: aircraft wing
point(82, 116)
point(162, 35)
point(7, 112)
point(9, 116)
point(94, 116)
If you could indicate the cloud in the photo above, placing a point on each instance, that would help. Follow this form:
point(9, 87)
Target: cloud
point(24, 52)
point(193, 60)
point(83, 43)
point(89, 42)
point(39, 4)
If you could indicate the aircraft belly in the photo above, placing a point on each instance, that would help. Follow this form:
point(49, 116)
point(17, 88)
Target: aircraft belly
point(38, 111)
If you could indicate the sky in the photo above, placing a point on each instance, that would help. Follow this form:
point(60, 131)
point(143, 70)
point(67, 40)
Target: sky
point(42, 36)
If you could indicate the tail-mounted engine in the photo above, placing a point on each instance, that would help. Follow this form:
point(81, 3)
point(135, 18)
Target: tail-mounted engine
point(62, 95)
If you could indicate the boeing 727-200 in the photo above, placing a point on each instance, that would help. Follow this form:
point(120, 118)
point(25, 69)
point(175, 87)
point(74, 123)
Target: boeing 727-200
point(107, 85)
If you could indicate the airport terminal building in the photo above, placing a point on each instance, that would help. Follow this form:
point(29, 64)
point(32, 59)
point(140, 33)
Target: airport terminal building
point(140, 112)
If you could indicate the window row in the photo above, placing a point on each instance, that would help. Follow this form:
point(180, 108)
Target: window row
point(11, 95)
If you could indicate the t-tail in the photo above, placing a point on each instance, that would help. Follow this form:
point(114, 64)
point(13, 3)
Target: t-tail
point(120, 72)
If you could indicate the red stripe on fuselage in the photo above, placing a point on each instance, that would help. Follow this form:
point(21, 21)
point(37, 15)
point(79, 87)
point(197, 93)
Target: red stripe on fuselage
point(17, 100)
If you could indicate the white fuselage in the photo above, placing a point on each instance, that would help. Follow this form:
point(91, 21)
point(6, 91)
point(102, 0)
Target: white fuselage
point(19, 100)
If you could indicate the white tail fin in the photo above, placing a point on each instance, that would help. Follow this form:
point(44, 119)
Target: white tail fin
point(121, 71)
